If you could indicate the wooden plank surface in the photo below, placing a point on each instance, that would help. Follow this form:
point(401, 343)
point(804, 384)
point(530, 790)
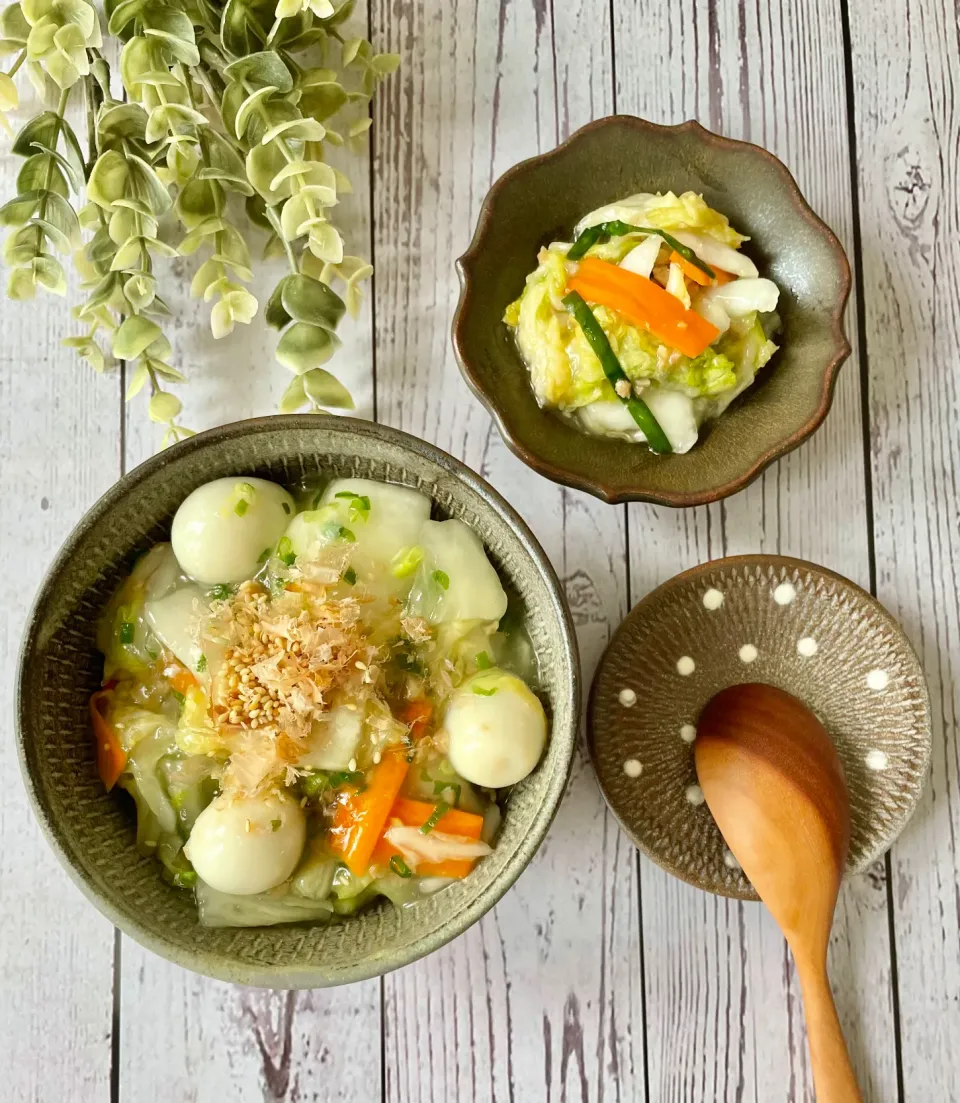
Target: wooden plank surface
point(724, 1017)
point(59, 433)
point(542, 999)
point(908, 131)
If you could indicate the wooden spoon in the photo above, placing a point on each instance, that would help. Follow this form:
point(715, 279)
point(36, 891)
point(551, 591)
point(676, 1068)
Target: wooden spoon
point(773, 781)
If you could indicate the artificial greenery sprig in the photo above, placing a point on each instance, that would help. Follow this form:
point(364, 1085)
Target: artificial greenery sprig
point(225, 104)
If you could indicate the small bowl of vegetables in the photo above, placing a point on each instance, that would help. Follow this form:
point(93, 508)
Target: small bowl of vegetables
point(651, 312)
point(297, 701)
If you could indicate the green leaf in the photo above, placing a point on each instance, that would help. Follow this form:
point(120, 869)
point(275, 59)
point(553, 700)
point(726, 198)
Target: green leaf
point(50, 274)
point(199, 201)
point(122, 120)
point(108, 179)
point(275, 313)
point(324, 389)
point(182, 51)
point(309, 300)
point(57, 238)
point(43, 129)
point(385, 64)
point(140, 290)
point(64, 217)
point(240, 30)
point(351, 49)
point(164, 407)
point(322, 101)
point(294, 397)
point(40, 173)
point(73, 177)
point(303, 347)
point(128, 255)
point(252, 103)
point(22, 285)
point(123, 13)
point(138, 379)
point(261, 69)
point(256, 211)
point(17, 211)
point(13, 24)
point(263, 164)
point(134, 336)
point(306, 130)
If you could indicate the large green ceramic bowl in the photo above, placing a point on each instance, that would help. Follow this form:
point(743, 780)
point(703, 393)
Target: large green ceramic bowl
point(93, 832)
point(541, 200)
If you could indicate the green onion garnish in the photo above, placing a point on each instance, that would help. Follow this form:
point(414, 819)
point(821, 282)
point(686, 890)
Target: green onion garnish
point(439, 811)
point(221, 592)
point(285, 551)
point(442, 579)
point(350, 576)
point(286, 508)
point(178, 695)
point(406, 561)
point(315, 783)
point(441, 786)
point(241, 507)
point(275, 825)
point(606, 230)
point(346, 777)
point(400, 867)
point(481, 692)
point(185, 878)
point(332, 531)
point(483, 661)
point(201, 664)
point(597, 340)
point(127, 631)
point(265, 555)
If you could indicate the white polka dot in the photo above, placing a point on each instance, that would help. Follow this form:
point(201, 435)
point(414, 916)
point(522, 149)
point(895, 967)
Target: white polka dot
point(784, 593)
point(685, 666)
point(748, 653)
point(807, 647)
point(627, 698)
point(730, 860)
point(712, 599)
point(878, 680)
point(688, 733)
point(694, 794)
point(633, 767)
point(876, 760)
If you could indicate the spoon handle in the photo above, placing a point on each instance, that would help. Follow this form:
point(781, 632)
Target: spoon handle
point(833, 1076)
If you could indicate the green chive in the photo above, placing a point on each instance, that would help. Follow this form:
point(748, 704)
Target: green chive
point(127, 631)
point(201, 664)
point(597, 340)
point(606, 230)
point(265, 555)
point(439, 811)
point(348, 494)
point(350, 576)
point(442, 579)
point(241, 507)
point(441, 786)
point(275, 825)
point(286, 508)
point(221, 592)
point(185, 878)
point(481, 692)
point(483, 661)
point(178, 695)
point(406, 561)
point(315, 783)
point(346, 777)
point(400, 867)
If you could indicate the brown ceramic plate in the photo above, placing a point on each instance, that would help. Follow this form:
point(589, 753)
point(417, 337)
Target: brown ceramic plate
point(93, 832)
point(542, 199)
point(880, 724)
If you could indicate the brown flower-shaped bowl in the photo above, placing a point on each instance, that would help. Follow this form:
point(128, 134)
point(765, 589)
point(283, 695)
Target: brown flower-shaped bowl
point(541, 200)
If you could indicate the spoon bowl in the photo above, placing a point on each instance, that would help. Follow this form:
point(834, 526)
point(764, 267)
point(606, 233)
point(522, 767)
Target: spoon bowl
point(773, 781)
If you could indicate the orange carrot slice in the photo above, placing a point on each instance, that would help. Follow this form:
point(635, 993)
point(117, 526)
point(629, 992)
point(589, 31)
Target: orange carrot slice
point(111, 757)
point(645, 304)
point(691, 271)
point(360, 817)
point(415, 813)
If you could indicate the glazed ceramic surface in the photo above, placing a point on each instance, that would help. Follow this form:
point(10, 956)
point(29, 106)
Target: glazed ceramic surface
point(540, 200)
point(859, 676)
point(93, 832)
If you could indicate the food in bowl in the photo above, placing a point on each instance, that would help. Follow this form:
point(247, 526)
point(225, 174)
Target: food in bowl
point(648, 324)
point(315, 696)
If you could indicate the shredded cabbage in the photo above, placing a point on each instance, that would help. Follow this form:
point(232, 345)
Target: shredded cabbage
point(669, 212)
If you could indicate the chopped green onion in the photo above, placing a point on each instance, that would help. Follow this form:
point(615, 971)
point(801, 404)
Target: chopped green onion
point(481, 692)
point(483, 661)
point(348, 494)
point(332, 531)
point(275, 825)
point(317, 500)
point(241, 507)
point(597, 340)
point(606, 230)
point(441, 786)
point(286, 508)
point(221, 592)
point(285, 551)
point(359, 504)
point(442, 579)
point(127, 631)
point(350, 576)
point(178, 695)
point(185, 878)
point(315, 783)
point(201, 664)
point(400, 867)
point(346, 777)
point(265, 555)
point(406, 561)
point(439, 811)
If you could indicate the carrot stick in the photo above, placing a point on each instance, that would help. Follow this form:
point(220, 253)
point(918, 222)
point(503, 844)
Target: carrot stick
point(417, 714)
point(415, 813)
point(691, 271)
point(724, 277)
point(359, 819)
point(111, 757)
point(181, 679)
point(645, 304)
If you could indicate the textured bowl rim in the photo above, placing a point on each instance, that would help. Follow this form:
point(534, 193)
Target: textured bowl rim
point(210, 963)
point(596, 486)
point(759, 559)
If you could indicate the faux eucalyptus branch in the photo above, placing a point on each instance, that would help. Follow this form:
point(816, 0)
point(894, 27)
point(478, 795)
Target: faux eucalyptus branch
point(229, 110)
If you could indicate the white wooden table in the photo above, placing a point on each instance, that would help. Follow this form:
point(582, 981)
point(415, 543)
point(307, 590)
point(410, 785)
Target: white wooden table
point(598, 977)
